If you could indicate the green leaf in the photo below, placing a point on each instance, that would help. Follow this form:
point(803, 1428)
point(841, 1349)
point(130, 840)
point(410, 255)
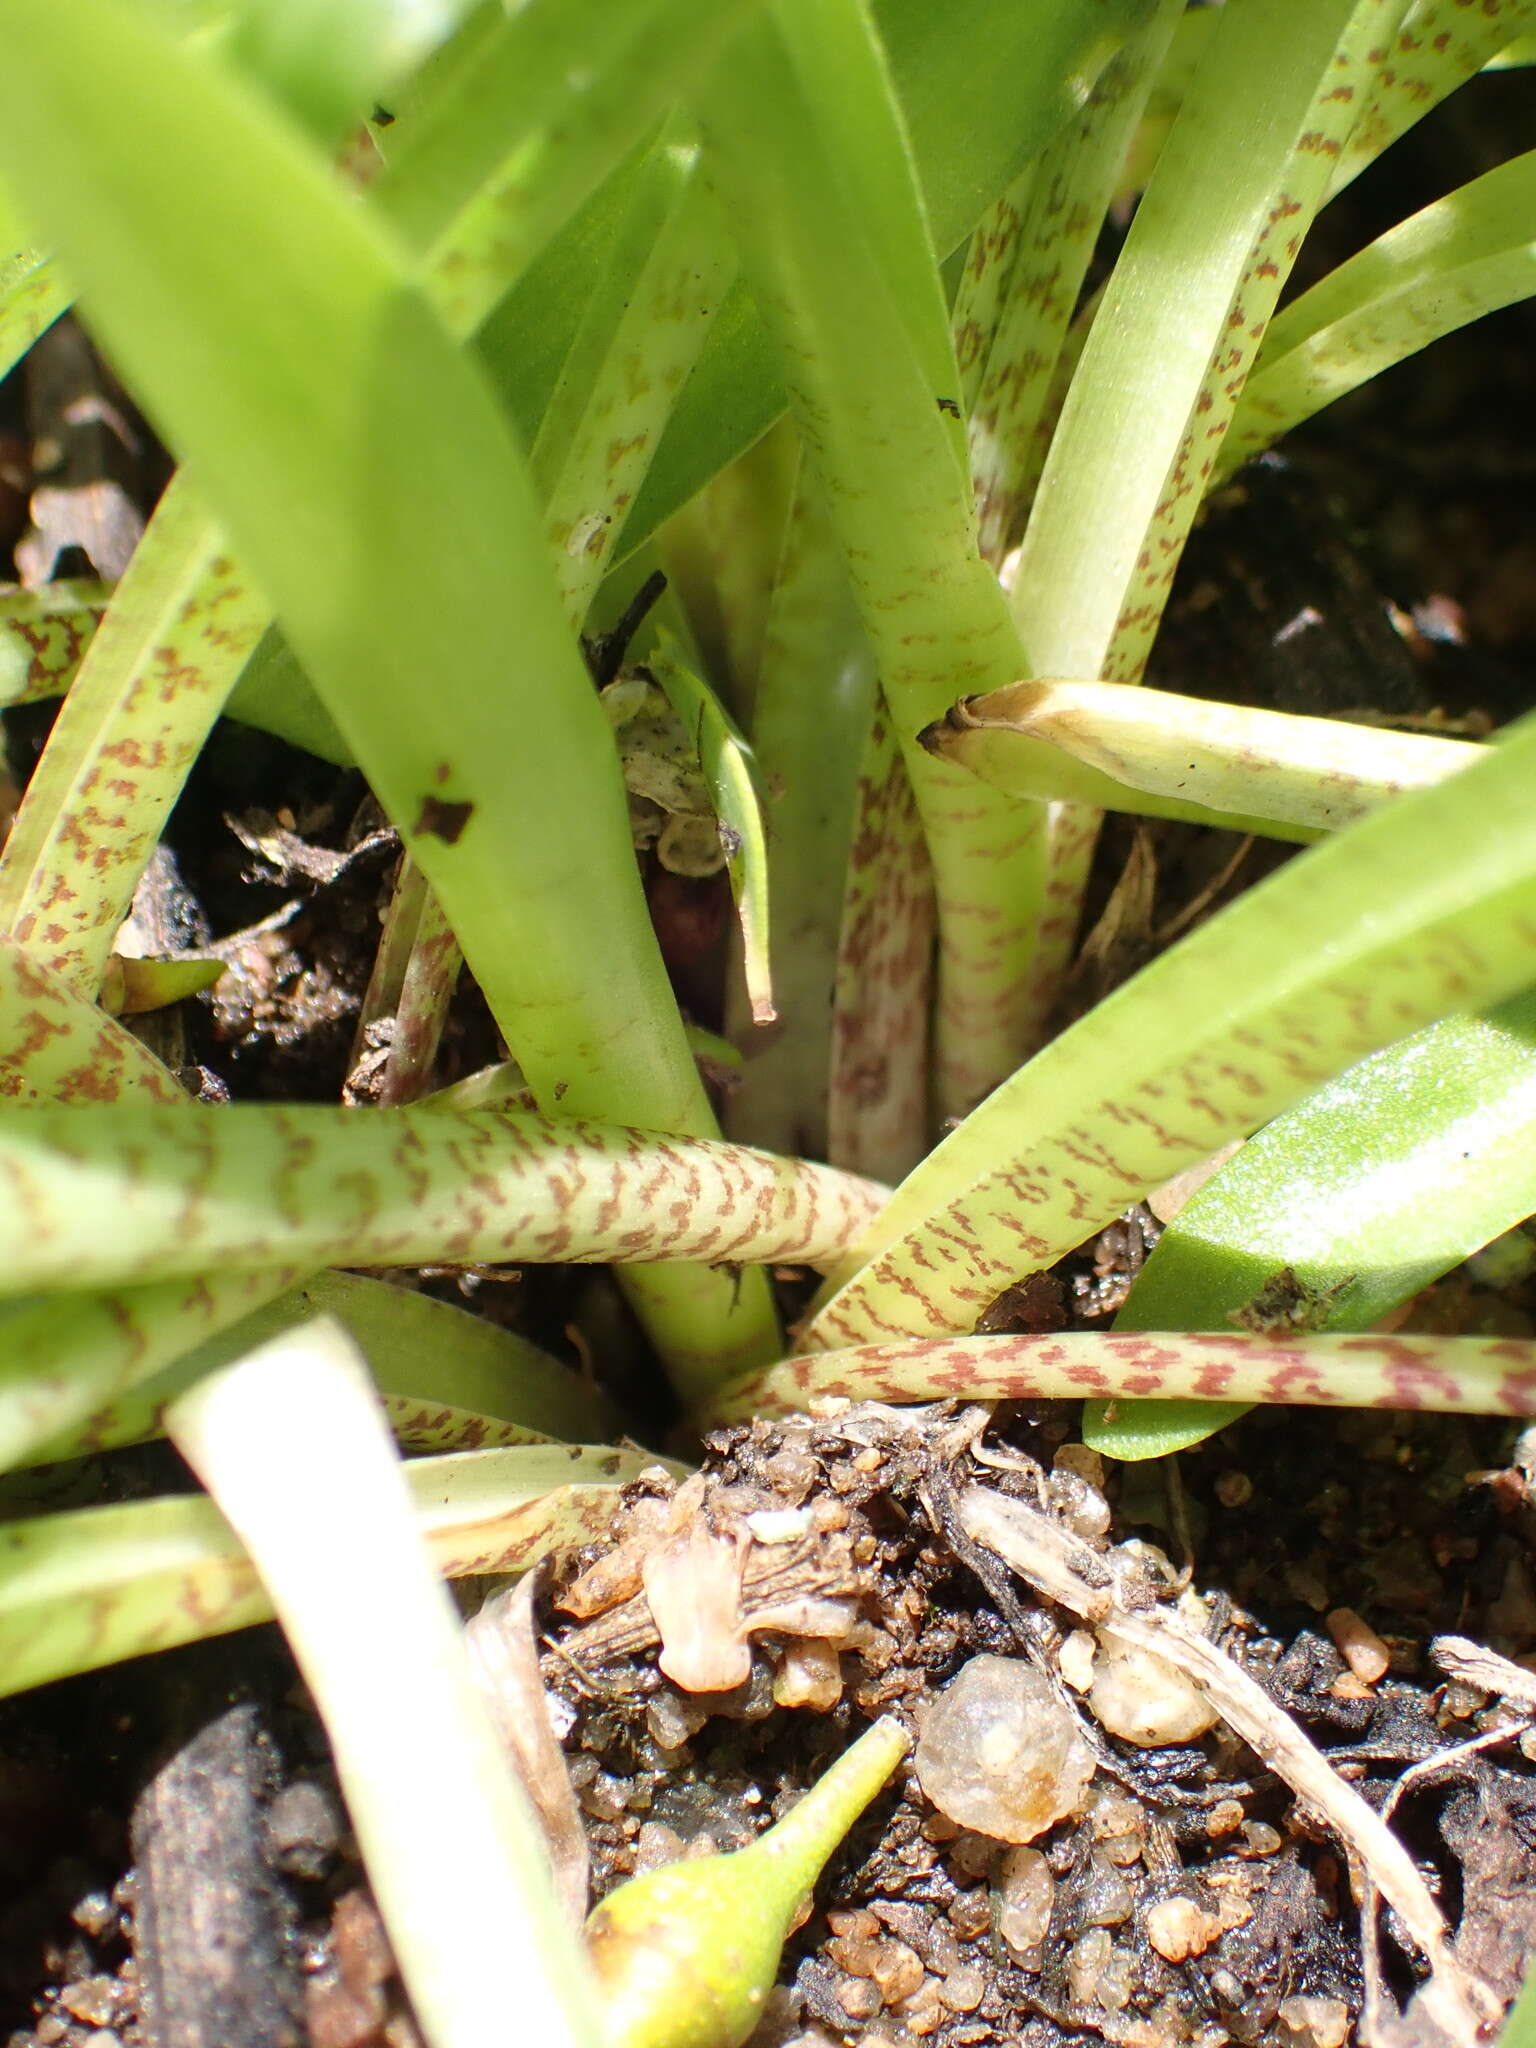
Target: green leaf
point(1052, 236)
point(1184, 310)
point(82, 1590)
point(649, 312)
point(292, 1446)
point(1282, 989)
point(878, 1072)
point(280, 338)
point(1441, 45)
point(274, 693)
point(808, 149)
point(32, 294)
point(506, 147)
point(1520, 2026)
point(149, 1192)
point(134, 983)
point(1445, 1375)
point(812, 695)
point(328, 61)
point(178, 631)
point(43, 635)
point(448, 1380)
point(1162, 755)
point(1468, 254)
point(972, 129)
point(70, 1357)
point(1347, 1205)
point(415, 974)
point(55, 1046)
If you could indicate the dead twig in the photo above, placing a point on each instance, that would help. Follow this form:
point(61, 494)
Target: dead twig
point(1110, 1591)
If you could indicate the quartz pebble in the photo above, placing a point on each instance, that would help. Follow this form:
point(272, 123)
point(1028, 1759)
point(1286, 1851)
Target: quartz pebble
point(1144, 1699)
point(859, 1998)
point(1106, 1900)
point(1313, 2022)
point(1075, 1659)
point(897, 1969)
point(809, 1675)
point(1179, 1928)
point(92, 1999)
point(1359, 1645)
point(963, 1989)
point(1026, 1892)
point(1086, 1963)
point(1080, 1505)
point(1000, 1753)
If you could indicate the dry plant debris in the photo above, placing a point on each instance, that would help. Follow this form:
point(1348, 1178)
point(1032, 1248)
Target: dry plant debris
point(1207, 1873)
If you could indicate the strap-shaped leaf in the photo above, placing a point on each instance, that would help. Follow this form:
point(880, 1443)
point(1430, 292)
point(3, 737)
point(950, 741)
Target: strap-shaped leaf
point(448, 1380)
point(147, 1193)
point(284, 341)
point(972, 128)
point(1162, 755)
point(182, 621)
point(292, 1446)
point(1423, 909)
point(1153, 1373)
point(329, 60)
point(1184, 310)
point(1440, 45)
point(1345, 1207)
point(807, 145)
point(56, 1046)
point(1466, 255)
point(86, 1589)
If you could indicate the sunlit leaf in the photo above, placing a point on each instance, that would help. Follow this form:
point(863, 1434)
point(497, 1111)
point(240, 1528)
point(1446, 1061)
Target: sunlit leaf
point(1061, 213)
point(1282, 989)
point(1171, 756)
point(81, 1590)
point(328, 61)
point(55, 1046)
point(284, 342)
point(1450, 1375)
point(1347, 1205)
point(292, 1446)
point(43, 634)
point(182, 621)
point(448, 1380)
point(972, 127)
point(808, 147)
point(1439, 46)
point(1468, 254)
point(147, 1193)
point(1183, 312)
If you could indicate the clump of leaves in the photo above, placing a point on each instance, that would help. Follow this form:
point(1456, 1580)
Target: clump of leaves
point(669, 284)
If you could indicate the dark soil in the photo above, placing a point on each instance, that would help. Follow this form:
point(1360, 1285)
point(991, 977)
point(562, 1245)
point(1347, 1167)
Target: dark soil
point(1401, 532)
point(1287, 1517)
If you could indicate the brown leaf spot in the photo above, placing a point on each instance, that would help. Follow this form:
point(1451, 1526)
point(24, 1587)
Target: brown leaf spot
point(445, 821)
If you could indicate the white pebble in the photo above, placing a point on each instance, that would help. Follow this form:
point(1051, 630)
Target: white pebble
point(1144, 1699)
point(1313, 2022)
